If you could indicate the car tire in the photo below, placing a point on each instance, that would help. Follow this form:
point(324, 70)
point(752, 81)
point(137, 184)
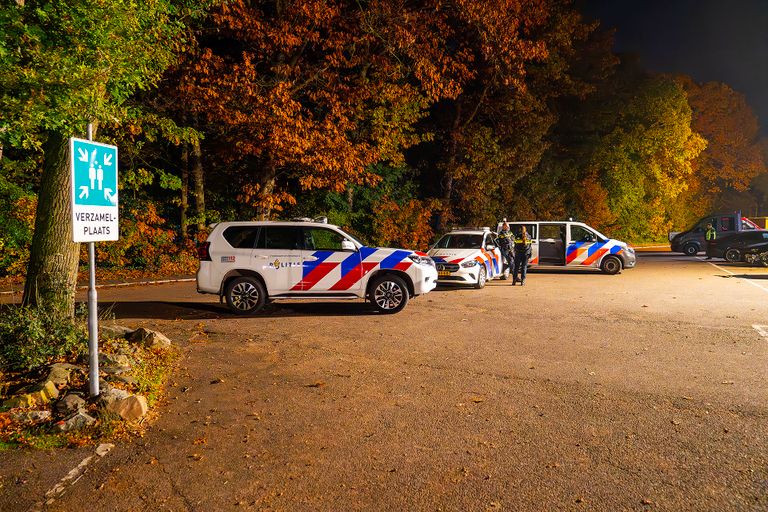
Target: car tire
point(732, 255)
point(690, 249)
point(389, 294)
point(482, 277)
point(611, 265)
point(245, 295)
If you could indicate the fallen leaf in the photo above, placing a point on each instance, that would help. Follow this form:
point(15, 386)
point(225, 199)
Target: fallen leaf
point(217, 381)
point(317, 384)
point(477, 399)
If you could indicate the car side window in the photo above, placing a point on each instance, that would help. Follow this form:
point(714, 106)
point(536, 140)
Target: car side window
point(241, 237)
point(582, 234)
point(279, 237)
point(319, 239)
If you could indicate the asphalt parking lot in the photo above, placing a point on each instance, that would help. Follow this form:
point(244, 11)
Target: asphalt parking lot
point(579, 391)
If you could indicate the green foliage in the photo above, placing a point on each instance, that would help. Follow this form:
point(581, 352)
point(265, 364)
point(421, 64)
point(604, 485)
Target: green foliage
point(66, 63)
point(33, 337)
point(16, 217)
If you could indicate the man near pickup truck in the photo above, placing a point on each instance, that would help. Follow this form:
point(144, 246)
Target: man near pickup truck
point(710, 235)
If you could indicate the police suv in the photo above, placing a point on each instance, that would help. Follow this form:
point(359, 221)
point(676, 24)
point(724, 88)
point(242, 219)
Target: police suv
point(468, 257)
point(249, 263)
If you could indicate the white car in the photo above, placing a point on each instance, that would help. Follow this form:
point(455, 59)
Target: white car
point(249, 263)
point(468, 257)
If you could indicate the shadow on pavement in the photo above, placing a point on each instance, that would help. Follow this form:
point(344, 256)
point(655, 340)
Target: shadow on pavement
point(751, 276)
point(162, 310)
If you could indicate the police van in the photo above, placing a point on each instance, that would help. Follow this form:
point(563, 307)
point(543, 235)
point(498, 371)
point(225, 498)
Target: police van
point(572, 244)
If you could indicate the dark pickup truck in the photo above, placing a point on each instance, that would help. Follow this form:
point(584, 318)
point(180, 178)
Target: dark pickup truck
point(692, 241)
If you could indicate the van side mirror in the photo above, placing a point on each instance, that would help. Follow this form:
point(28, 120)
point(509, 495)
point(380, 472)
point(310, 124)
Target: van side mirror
point(347, 245)
point(490, 247)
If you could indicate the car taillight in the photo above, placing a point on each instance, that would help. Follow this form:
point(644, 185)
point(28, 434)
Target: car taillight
point(203, 252)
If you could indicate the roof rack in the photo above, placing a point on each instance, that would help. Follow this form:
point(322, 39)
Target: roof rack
point(470, 228)
point(319, 220)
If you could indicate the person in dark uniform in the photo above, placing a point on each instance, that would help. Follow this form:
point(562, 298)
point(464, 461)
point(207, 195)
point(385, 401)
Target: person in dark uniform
point(710, 235)
point(522, 255)
point(506, 240)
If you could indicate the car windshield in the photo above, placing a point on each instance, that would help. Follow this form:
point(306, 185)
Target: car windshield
point(459, 241)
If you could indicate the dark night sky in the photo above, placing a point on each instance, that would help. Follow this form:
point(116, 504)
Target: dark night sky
point(710, 40)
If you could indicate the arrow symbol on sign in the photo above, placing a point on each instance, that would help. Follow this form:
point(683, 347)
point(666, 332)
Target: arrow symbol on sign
point(83, 154)
point(84, 191)
point(109, 197)
point(107, 160)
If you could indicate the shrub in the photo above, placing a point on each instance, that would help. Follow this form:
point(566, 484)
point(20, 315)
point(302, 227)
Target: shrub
point(32, 337)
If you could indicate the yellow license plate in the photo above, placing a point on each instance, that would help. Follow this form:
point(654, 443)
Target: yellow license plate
point(443, 273)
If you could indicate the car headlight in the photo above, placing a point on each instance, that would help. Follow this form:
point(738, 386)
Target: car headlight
point(468, 264)
point(422, 260)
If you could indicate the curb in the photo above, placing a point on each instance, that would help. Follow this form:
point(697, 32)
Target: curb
point(118, 285)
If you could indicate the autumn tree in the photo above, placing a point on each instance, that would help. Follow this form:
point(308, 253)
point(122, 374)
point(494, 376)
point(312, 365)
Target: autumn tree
point(733, 155)
point(299, 93)
point(645, 160)
point(63, 65)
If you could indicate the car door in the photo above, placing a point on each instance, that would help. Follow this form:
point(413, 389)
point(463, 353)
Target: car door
point(277, 257)
point(494, 255)
point(584, 247)
point(552, 243)
point(330, 262)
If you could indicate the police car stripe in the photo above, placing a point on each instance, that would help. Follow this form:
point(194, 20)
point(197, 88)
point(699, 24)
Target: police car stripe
point(393, 259)
point(354, 275)
point(314, 271)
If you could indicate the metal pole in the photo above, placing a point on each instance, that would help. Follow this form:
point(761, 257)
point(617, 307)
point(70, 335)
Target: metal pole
point(93, 318)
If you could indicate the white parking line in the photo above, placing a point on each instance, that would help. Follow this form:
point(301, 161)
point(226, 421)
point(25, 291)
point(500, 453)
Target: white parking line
point(762, 330)
point(72, 477)
point(731, 273)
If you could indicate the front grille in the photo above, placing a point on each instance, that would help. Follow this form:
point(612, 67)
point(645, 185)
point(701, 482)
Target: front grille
point(451, 267)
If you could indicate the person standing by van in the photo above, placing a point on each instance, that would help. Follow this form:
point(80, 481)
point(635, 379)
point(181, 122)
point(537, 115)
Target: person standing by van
point(522, 255)
point(506, 241)
point(710, 235)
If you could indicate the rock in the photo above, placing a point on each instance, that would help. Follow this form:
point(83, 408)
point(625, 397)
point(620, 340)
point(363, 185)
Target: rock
point(60, 373)
point(31, 416)
point(149, 338)
point(114, 360)
point(116, 370)
point(130, 409)
point(110, 395)
point(74, 422)
point(70, 404)
point(115, 331)
point(123, 379)
point(38, 395)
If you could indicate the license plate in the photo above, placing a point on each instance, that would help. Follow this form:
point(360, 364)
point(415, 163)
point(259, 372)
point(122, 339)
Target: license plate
point(443, 273)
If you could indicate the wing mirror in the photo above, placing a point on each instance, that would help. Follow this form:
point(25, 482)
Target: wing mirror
point(347, 245)
point(490, 247)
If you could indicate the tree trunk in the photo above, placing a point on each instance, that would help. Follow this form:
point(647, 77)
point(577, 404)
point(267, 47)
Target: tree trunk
point(53, 259)
point(199, 184)
point(184, 221)
point(450, 169)
point(264, 209)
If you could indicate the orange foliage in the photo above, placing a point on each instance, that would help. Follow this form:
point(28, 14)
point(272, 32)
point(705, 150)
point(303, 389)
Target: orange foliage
point(404, 225)
point(733, 155)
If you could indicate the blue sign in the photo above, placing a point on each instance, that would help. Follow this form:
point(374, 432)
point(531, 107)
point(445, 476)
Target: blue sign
point(94, 173)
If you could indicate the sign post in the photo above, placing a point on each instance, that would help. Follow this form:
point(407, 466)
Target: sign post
point(94, 219)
